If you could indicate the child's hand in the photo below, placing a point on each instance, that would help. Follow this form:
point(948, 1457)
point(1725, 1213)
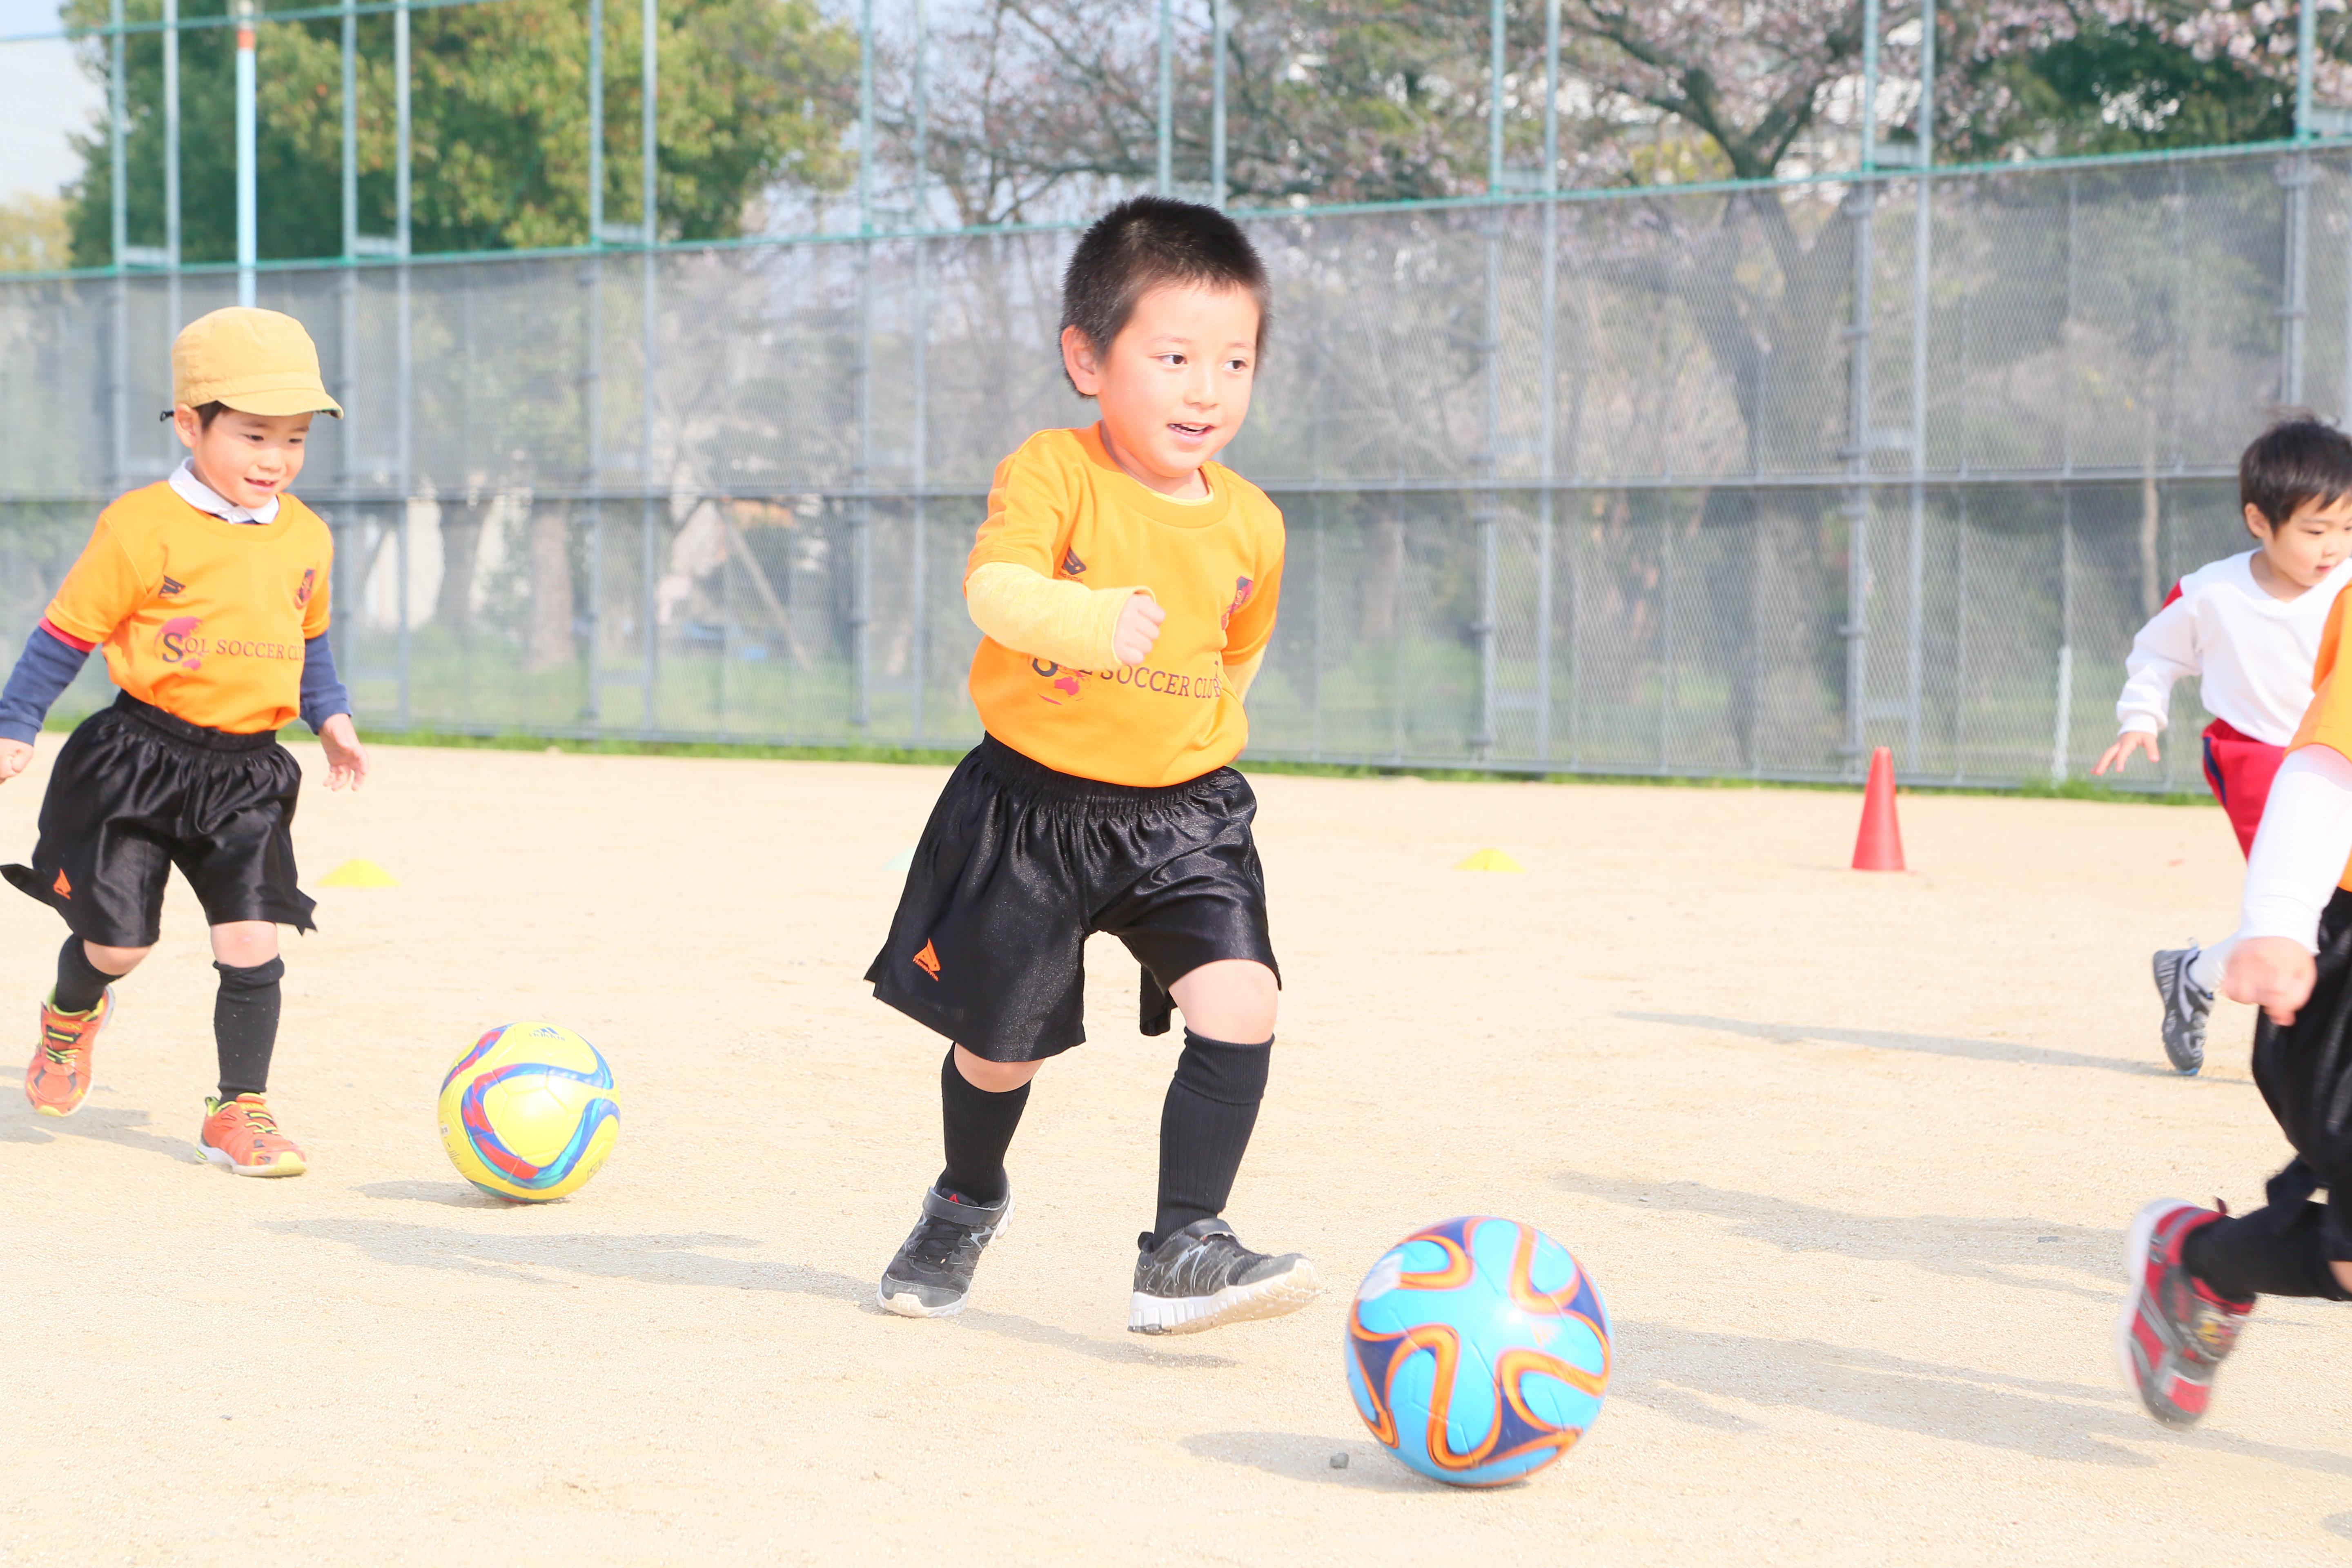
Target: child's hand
point(1137, 628)
point(346, 758)
point(2270, 973)
point(15, 756)
point(2114, 756)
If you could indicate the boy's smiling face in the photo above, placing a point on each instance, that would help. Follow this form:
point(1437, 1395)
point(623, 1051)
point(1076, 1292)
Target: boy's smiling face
point(247, 458)
point(1175, 385)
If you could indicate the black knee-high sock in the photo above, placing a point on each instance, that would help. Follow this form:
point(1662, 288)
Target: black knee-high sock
point(245, 1026)
point(1204, 1128)
point(80, 982)
point(2255, 1256)
point(979, 1126)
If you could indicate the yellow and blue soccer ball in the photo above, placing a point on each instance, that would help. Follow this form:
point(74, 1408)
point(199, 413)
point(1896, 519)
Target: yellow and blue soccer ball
point(1477, 1351)
point(530, 1112)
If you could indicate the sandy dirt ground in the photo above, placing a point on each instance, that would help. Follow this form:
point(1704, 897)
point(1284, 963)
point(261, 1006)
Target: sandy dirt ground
point(1849, 1156)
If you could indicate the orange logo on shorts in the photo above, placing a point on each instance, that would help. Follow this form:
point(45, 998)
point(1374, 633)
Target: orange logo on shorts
point(928, 961)
point(64, 888)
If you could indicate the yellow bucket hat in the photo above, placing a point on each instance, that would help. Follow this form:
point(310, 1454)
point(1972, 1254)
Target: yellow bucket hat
point(257, 362)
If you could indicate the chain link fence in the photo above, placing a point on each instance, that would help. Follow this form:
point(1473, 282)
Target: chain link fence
point(1733, 482)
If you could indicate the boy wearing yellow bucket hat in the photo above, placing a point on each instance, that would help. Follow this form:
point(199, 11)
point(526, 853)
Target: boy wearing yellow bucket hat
point(208, 592)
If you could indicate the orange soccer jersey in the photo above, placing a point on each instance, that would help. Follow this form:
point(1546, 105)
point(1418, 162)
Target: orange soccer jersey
point(1061, 507)
point(201, 617)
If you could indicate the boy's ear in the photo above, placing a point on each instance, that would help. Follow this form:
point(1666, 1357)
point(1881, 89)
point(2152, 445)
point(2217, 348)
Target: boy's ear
point(1080, 363)
point(186, 426)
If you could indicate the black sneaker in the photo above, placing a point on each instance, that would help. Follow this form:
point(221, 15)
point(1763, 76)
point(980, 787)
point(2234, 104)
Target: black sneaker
point(931, 1276)
point(1202, 1277)
point(2186, 1008)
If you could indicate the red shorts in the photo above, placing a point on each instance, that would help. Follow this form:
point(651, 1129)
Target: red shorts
point(2240, 768)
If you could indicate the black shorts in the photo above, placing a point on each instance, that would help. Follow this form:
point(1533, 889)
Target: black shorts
point(1020, 864)
point(2305, 1071)
point(136, 792)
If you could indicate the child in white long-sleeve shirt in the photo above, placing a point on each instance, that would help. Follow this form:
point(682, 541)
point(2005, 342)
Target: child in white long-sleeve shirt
point(2249, 626)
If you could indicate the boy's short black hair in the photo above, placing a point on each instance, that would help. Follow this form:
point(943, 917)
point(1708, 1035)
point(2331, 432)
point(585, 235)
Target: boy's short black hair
point(2297, 460)
point(205, 413)
point(1145, 242)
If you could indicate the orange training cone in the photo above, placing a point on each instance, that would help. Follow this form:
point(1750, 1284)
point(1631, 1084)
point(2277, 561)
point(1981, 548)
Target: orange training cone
point(1879, 846)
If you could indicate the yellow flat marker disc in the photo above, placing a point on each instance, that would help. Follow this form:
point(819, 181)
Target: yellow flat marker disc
point(358, 874)
point(1490, 860)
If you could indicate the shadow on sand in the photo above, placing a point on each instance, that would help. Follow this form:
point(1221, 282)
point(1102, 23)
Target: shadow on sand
point(1963, 1248)
point(685, 1258)
point(1931, 1045)
point(103, 1125)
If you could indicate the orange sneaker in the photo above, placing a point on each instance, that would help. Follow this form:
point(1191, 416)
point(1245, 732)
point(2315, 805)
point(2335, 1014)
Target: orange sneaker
point(56, 1081)
point(242, 1135)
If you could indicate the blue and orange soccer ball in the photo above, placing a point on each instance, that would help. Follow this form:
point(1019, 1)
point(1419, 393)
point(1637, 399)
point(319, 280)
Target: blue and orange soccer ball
point(530, 1112)
point(1477, 1351)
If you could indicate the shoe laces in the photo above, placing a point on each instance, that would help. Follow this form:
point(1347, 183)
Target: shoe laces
point(937, 1240)
point(255, 1116)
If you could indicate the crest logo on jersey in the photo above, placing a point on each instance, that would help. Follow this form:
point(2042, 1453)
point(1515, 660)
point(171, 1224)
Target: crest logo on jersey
point(172, 588)
point(1071, 565)
point(177, 642)
point(310, 581)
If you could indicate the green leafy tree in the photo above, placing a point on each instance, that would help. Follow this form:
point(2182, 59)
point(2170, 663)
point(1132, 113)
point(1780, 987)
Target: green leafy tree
point(755, 95)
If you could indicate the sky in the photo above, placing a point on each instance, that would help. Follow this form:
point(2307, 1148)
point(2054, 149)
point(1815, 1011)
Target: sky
point(46, 95)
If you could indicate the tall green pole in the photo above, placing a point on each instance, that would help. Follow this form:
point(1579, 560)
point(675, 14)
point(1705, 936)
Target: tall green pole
point(596, 122)
point(171, 133)
point(350, 49)
point(247, 217)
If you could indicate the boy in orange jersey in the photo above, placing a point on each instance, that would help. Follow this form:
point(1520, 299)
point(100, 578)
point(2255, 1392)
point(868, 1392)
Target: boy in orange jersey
point(2195, 1274)
point(209, 594)
point(1126, 586)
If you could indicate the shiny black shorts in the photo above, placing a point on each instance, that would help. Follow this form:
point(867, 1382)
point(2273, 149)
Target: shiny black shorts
point(2305, 1071)
point(136, 792)
point(1020, 864)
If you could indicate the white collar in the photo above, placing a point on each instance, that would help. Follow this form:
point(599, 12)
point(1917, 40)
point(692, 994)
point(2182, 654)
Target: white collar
point(203, 498)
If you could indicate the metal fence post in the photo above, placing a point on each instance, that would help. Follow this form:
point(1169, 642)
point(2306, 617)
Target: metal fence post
point(119, 228)
point(2296, 178)
point(1547, 501)
point(595, 123)
point(1489, 505)
point(649, 213)
point(405, 345)
point(172, 142)
point(919, 457)
point(1923, 238)
point(1860, 202)
point(1219, 23)
point(861, 609)
point(2065, 703)
point(349, 49)
point(247, 197)
point(1166, 128)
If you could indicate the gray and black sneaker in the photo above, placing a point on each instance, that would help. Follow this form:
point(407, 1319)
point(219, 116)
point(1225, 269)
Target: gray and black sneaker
point(2186, 1008)
point(931, 1276)
point(1202, 1277)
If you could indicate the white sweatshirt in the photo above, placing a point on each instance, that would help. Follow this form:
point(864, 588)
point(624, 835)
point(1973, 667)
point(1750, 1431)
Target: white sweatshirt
point(2253, 653)
point(2301, 850)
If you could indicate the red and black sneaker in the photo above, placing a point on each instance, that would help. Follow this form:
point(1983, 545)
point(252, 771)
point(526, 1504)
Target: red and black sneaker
point(2174, 1329)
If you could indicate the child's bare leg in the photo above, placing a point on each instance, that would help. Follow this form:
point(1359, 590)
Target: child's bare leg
point(1212, 1099)
point(1231, 999)
point(246, 1008)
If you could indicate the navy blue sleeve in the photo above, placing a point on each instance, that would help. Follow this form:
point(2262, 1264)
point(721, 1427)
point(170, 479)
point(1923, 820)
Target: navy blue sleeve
point(43, 672)
point(323, 696)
